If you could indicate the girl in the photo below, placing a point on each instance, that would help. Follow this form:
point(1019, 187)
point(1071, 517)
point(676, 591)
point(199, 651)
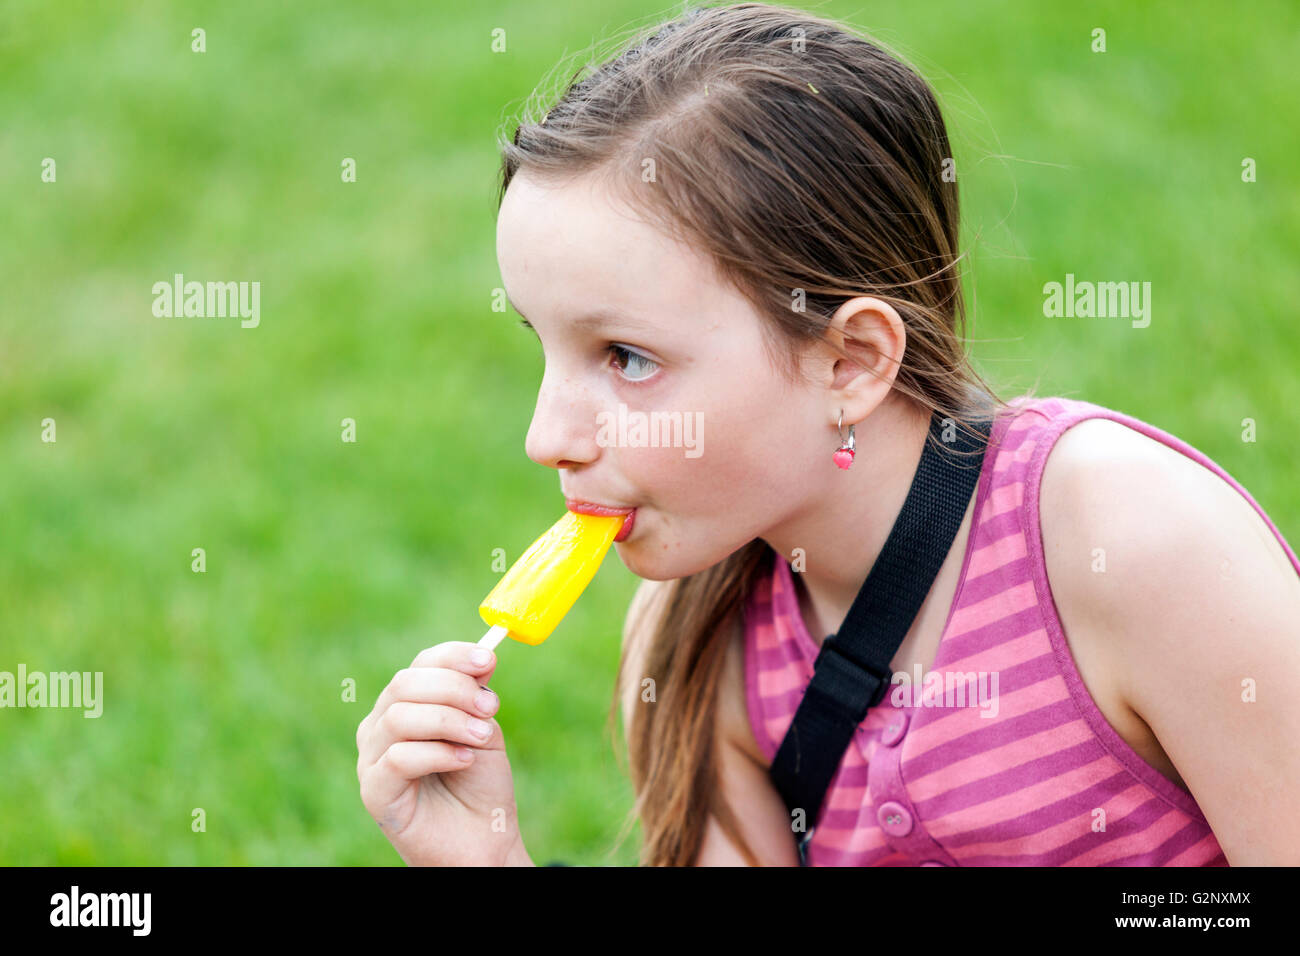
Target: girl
point(745, 218)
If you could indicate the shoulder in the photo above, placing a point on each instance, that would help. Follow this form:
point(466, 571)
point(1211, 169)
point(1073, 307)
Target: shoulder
point(645, 610)
point(1132, 529)
point(1104, 491)
point(643, 614)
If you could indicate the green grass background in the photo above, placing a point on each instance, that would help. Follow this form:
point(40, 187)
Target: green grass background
point(328, 560)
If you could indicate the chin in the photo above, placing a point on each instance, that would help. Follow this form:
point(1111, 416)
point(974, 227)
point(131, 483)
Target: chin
point(643, 566)
point(660, 564)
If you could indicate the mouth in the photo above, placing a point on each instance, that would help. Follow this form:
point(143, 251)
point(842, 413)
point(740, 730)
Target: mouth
point(590, 508)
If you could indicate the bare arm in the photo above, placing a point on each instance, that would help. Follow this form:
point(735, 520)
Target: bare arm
point(1199, 609)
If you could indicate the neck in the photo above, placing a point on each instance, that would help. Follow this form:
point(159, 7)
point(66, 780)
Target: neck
point(848, 514)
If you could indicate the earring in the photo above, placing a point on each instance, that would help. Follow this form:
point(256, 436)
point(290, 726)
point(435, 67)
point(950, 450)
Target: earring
point(844, 454)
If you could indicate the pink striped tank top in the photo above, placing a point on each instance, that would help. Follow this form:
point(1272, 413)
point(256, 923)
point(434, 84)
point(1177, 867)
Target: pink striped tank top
point(1043, 780)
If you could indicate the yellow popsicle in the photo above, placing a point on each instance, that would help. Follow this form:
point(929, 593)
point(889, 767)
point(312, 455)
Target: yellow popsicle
point(538, 590)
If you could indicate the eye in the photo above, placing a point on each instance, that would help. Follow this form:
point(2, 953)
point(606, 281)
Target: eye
point(618, 351)
point(632, 359)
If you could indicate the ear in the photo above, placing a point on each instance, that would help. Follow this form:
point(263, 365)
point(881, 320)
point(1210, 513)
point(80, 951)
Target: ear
point(872, 332)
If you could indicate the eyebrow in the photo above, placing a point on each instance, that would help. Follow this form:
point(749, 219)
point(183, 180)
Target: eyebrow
point(598, 319)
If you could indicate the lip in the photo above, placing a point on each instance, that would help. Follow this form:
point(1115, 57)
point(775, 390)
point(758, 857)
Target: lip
point(591, 508)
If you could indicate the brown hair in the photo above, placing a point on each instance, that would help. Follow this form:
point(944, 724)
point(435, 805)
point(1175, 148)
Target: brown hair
point(799, 156)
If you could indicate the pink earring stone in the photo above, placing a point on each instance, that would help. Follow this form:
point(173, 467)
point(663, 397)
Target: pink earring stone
point(843, 457)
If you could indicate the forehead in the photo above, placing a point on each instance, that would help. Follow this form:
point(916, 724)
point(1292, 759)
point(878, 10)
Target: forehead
point(573, 247)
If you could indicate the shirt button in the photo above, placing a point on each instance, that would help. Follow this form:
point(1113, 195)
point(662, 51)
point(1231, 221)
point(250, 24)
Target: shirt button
point(894, 819)
point(894, 730)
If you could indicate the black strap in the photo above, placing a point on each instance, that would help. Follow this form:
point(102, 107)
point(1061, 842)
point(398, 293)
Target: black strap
point(852, 672)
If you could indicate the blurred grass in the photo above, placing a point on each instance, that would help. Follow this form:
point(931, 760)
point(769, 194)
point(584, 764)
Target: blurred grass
point(327, 560)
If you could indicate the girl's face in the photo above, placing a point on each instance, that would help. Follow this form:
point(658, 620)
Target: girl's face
point(632, 323)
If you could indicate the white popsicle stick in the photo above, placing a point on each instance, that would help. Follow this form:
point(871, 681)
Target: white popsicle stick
point(494, 636)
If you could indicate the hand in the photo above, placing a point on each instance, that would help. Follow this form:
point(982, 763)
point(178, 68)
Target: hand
point(436, 808)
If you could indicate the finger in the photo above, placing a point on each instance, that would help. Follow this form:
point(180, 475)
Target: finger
point(404, 761)
point(422, 685)
point(405, 720)
point(434, 685)
point(458, 655)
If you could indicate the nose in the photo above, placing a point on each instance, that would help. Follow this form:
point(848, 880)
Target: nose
point(563, 430)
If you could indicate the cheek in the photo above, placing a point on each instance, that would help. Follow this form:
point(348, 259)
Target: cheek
point(721, 465)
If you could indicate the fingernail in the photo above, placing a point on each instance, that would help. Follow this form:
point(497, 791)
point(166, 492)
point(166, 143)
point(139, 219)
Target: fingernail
point(479, 728)
point(486, 701)
point(480, 656)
